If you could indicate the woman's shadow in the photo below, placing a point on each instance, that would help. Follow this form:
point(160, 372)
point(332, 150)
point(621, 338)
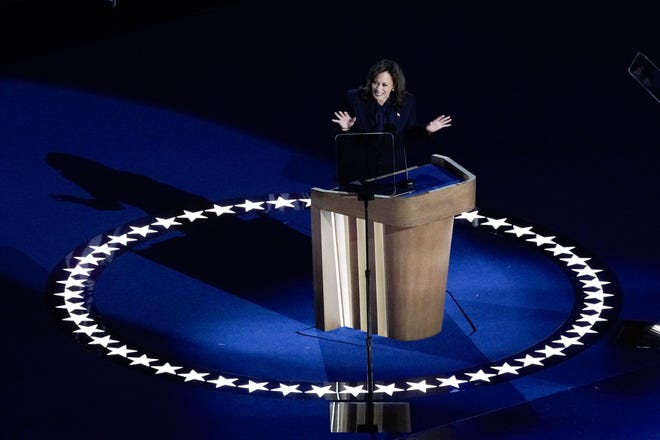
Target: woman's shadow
point(252, 257)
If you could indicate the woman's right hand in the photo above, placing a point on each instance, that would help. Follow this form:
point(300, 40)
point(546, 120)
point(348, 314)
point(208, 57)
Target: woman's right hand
point(344, 120)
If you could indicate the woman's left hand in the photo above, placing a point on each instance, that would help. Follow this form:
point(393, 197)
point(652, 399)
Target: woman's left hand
point(438, 123)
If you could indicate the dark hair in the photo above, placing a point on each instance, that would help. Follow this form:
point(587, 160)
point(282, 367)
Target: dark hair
point(398, 95)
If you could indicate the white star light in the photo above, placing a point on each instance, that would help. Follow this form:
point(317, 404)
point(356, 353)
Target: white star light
point(530, 360)
point(222, 381)
point(419, 386)
point(72, 307)
point(470, 216)
point(103, 249)
point(320, 391)
point(307, 202)
point(121, 239)
point(354, 391)
point(166, 223)
point(506, 369)
point(249, 205)
point(586, 272)
point(548, 351)
point(192, 215)
point(559, 250)
point(142, 360)
point(79, 270)
point(89, 330)
point(281, 202)
point(193, 375)
point(480, 375)
point(593, 283)
point(595, 307)
point(387, 389)
point(287, 389)
point(68, 294)
point(496, 223)
point(540, 240)
point(520, 231)
point(591, 319)
point(77, 319)
point(597, 295)
point(166, 368)
point(254, 386)
point(122, 351)
point(581, 330)
point(219, 210)
point(104, 341)
point(72, 282)
point(451, 382)
point(89, 259)
point(575, 260)
point(142, 230)
point(567, 342)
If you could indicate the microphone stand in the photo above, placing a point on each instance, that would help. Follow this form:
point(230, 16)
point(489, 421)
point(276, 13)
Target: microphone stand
point(369, 425)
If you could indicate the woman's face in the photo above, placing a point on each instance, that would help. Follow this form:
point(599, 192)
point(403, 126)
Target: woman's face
point(381, 87)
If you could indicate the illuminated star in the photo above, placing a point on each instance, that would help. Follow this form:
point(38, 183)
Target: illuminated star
point(79, 270)
point(77, 319)
point(586, 271)
point(72, 282)
point(506, 368)
point(530, 360)
point(540, 240)
point(166, 368)
point(520, 231)
point(567, 342)
point(496, 223)
point(420, 386)
point(72, 307)
point(598, 295)
point(597, 307)
point(591, 319)
point(307, 202)
point(254, 386)
point(223, 382)
point(559, 250)
point(89, 329)
point(167, 223)
point(68, 294)
point(281, 202)
point(551, 351)
point(192, 215)
point(480, 375)
point(594, 283)
point(249, 206)
point(104, 341)
point(103, 249)
point(121, 239)
point(193, 375)
point(287, 389)
point(387, 389)
point(219, 210)
point(451, 382)
point(142, 230)
point(142, 360)
point(89, 259)
point(320, 391)
point(122, 351)
point(581, 330)
point(470, 216)
point(575, 260)
point(354, 391)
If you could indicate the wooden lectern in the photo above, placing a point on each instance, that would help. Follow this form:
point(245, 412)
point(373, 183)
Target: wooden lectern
point(410, 241)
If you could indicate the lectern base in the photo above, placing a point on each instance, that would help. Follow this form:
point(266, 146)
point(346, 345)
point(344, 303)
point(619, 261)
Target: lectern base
point(352, 417)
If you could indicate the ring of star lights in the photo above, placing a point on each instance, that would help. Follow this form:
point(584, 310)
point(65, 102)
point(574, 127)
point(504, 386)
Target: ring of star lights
point(596, 305)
